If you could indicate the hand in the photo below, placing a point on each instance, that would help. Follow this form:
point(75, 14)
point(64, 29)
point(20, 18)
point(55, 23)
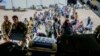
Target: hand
point(58, 35)
point(9, 35)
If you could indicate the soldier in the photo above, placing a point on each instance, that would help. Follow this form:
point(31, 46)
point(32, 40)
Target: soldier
point(18, 31)
point(6, 26)
point(30, 25)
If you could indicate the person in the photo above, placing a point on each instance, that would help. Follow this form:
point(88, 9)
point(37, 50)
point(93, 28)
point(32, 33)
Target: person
point(73, 13)
point(88, 21)
point(89, 24)
point(26, 21)
point(62, 11)
point(65, 11)
point(6, 26)
point(30, 25)
point(11, 49)
point(56, 28)
point(97, 32)
point(35, 14)
point(67, 28)
point(76, 16)
point(49, 28)
point(56, 8)
point(41, 31)
point(59, 28)
point(74, 22)
point(18, 30)
point(81, 27)
point(76, 26)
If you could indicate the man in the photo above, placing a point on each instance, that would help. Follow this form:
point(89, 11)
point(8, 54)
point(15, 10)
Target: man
point(89, 25)
point(56, 28)
point(30, 25)
point(26, 21)
point(67, 28)
point(6, 26)
point(18, 30)
point(76, 16)
point(97, 32)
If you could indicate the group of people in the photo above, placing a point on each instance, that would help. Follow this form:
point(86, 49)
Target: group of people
point(14, 31)
point(47, 23)
point(75, 25)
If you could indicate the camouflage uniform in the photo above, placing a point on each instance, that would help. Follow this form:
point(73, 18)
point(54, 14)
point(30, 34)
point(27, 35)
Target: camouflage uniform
point(6, 27)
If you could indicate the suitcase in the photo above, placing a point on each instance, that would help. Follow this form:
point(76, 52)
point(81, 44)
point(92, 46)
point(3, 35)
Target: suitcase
point(44, 42)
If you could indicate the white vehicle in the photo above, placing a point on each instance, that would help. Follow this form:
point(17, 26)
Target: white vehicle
point(38, 7)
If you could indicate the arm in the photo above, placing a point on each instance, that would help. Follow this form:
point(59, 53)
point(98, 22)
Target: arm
point(2, 29)
point(10, 29)
point(97, 30)
point(25, 28)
